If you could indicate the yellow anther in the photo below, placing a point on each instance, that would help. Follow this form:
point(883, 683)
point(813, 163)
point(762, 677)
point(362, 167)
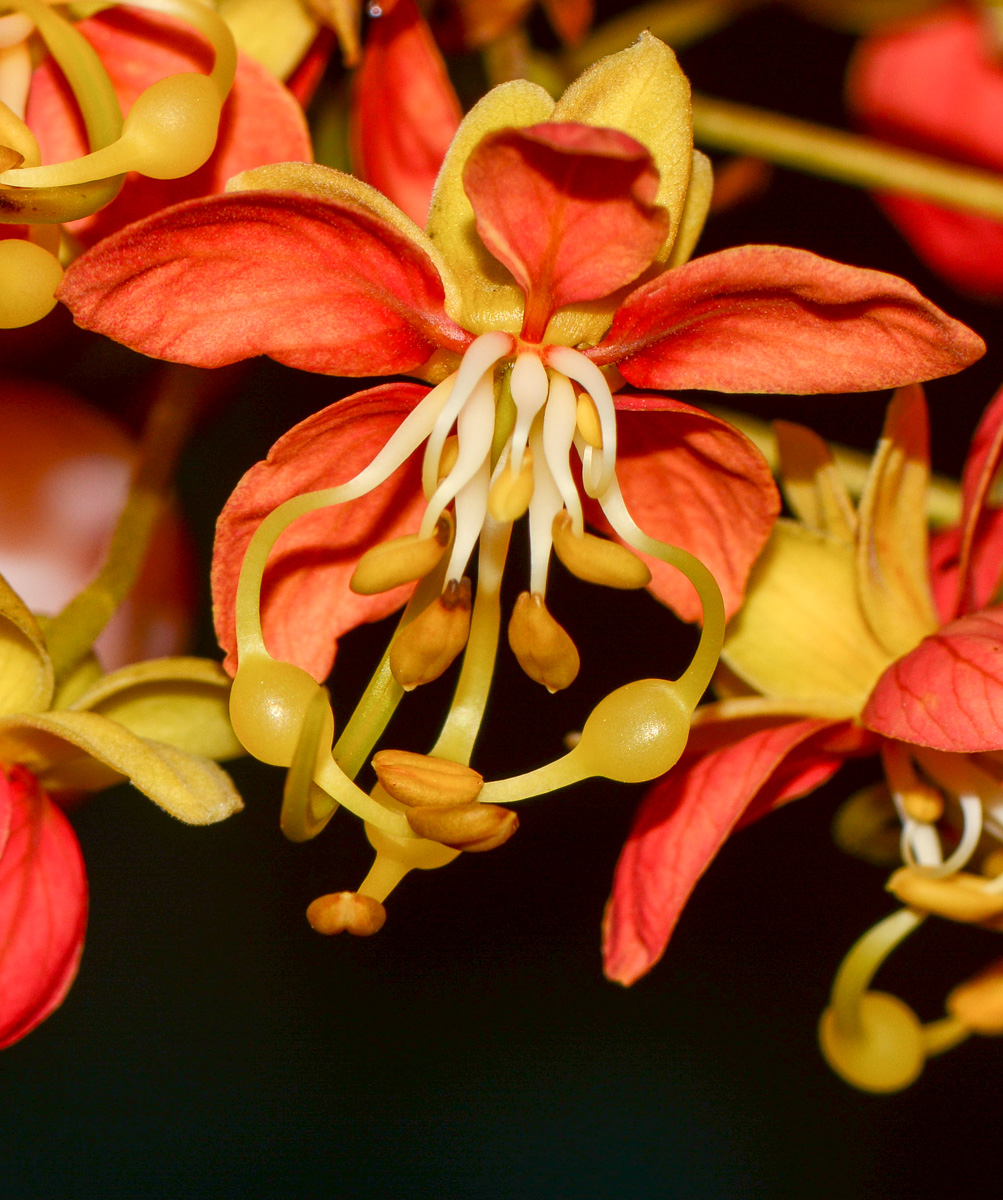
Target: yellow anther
point(268, 703)
point(447, 459)
point(962, 897)
point(923, 803)
point(426, 647)
point(472, 827)
point(29, 276)
point(596, 559)
point(544, 649)
point(510, 494)
point(341, 912)
point(588, 420)
point(400, 560)
point(978, 1003)
point(420, 779)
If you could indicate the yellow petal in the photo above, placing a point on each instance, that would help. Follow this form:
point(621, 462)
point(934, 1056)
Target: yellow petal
point(184, 702)
point(485, 296)
point(71, 751)
point(643, 91)
point(26, 678)
point(275, 32)
point(892, 573)
point(800, 634)
point(811, 482)
point(695, 210)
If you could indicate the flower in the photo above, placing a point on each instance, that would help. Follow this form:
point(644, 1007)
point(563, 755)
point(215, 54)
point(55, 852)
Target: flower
point(935, 84)
point(556, 247)
point(849, 643)
point(156, 724)
point(145, 65)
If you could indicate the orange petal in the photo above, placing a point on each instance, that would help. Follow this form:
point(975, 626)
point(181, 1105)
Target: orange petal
point(980, 553)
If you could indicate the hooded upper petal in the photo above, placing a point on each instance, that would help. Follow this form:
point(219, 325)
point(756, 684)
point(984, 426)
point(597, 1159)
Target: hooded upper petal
point(260, 121)
point(404, 111)
point(682, 823)
point(43, 905)
point(948, 692)
point(306, 605)
point(773, 319)
point(694, 481)
point(318, 283)
point(591, 191)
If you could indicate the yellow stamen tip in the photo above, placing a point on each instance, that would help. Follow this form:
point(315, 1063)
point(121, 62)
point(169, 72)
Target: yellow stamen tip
point(397, 561)
point(427, 647)
point(597, 560)
point(544, 649)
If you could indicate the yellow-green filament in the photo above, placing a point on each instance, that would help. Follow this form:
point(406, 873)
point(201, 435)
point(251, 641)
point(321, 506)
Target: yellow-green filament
point(305, 808)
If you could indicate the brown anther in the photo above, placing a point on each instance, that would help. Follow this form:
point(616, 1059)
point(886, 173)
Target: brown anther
point(426, 647)
point(420, 779)
point(596, 559)
point(510, 494)
point(472, 827)
point(544, 649)
point(923, 803)
point(589, 425)
point(399, 560)
point(447, 459)
point(341, 912)
point(978, 1002)
point(962, 897)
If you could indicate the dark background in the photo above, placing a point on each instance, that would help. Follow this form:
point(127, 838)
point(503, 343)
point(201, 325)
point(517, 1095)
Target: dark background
point(214, 1046)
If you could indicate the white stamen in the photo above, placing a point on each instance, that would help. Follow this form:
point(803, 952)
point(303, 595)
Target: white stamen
point(559, 423)
point(921, 843)
point(478, 359)
point(403, 442)
point(474, 430)
point(579, 368)
point(546, 503)
point(471, 513)
point(14, 28)
point(529, 392)
point(15, 72)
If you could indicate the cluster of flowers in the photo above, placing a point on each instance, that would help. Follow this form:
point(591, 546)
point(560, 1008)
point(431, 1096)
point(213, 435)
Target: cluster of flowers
point(530, 267)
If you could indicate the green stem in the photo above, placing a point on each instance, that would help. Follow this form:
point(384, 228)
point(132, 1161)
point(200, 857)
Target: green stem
point(846, 157)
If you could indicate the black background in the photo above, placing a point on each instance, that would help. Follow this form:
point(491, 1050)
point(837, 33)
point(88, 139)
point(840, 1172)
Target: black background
point(214, 1046)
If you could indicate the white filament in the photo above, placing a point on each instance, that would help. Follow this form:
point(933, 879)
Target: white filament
point(921, 845)
point(529, 385)
point(478, 360)
point(471, 512)
point(559, 422)
point(575, 365)
point(546, 503)
point(474, 430)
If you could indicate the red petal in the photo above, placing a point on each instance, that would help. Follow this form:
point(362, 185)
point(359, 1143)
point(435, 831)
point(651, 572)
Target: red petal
point(43, 908)
point(404, 112)
point(319, 285)
point(570, 18)
point(771, 319)
point(568, 208)
point(302, 83)
point(261, 122)
point(934, 85)
point(694, 481)
point(980, 561)
point(682, 822)
point(306, 604)
point(945, 546)
point(948, 692)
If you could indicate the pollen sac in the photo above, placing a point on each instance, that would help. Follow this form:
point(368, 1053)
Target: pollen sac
point(426, 647)
point(346, 912)
point(511, 493)
point(961, 897)
point(544, 649)
point(421, 780)
point(978, 1003)
point(472, 827)
point(587, 419)
point(923, 803)
point(597, 560)
point(400, 560)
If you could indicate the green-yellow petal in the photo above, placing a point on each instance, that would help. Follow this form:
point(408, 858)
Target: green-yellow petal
point(83, 751)
point(275, 32)
point(184, 702)
point(26, 677)
point(695, 209)
point(800, 634)
point(811, 482)
point(486, 296)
